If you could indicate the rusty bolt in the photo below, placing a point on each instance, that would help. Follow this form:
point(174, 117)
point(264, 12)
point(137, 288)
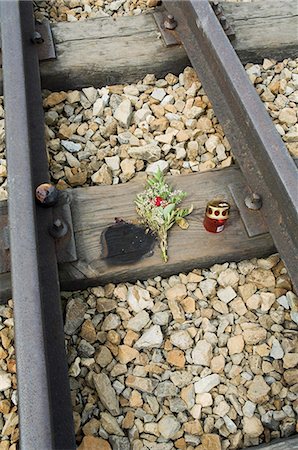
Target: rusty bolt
point(224, 22)
point(253, 201)
point(46, 194)
point(170, 22)
point(58, 229)
point(37, 38)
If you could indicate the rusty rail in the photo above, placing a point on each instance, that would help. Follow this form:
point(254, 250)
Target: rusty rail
point(44, 397)
point(259, 150)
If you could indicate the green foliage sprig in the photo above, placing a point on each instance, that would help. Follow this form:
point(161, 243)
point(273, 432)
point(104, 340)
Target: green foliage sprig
point(157, 207)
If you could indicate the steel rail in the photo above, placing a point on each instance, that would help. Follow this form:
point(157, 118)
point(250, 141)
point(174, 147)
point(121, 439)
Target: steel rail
point(45, 413)
point(256, 144)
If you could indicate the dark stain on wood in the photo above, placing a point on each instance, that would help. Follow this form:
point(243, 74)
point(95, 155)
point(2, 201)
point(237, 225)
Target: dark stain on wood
point(126, 243)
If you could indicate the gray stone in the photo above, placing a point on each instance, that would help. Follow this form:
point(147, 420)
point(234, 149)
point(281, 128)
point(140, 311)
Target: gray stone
point(110, 424)
point(148, 152)
point(207, 383)
point(75, 310)
point(119, 443)
point(85, 349)
point(249, 408)
point(276, 350)
point(181, 379)
point(161, 318)
point(166, 389)
point(158, 94)
point(70, 146)
point(106, 393)
point(111, 322)
point(177, 405)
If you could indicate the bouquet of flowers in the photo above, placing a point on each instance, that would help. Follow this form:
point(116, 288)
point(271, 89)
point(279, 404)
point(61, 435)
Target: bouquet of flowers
point(157, 207)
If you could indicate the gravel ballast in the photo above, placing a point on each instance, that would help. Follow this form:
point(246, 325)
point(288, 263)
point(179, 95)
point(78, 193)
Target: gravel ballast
point(223, 373)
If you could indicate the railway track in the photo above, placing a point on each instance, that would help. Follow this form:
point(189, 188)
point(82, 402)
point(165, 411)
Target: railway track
point(266, 169)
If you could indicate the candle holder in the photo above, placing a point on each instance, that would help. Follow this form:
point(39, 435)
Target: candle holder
point(216, 216)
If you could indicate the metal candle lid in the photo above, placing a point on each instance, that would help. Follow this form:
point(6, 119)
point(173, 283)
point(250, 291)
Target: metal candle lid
point(218, 209)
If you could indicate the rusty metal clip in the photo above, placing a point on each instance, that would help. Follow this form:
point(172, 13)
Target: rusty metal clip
point(166, 24)
point(226, 26)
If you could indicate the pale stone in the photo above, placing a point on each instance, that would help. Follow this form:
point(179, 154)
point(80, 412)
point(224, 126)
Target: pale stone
point(5, 380)
point(217, 364)
point(123, 113)
point(128, 167)
point(113, 162)
point(141, 384)
point(211, 442)
point(238, 306)
point(254, 301)
point(288, 116)
point(148, 152)
point(204, 399)
point(102, 176)
point(276, 350)
point(176, 310)
point(138, 299)
point(55, 98)
point(188, 396)
point(176, 358)
point(70, 146)
point(291, 376)
point(247, 290)
point(235, 345)
point(161, 165)
point(267, 300)
point(283, 301)
point(111, 322)
point(258, 390)
point(261, 278)
point(228, 277)
point(220, 307)
point(207, 383)
point(139, 321)
point(177, 292)
point(98, 107)
point(249, 408)
point(151, 338)
point(254, 335)
point(158, 94)
point(181, 339)
point(91, 93)
point(290, 360)
point(221, 409)
point(202, 353)
point(252, 426)
point(227, 294)
point(168, 426)
point(208, 287)
point(196, 411)
point(126, 354)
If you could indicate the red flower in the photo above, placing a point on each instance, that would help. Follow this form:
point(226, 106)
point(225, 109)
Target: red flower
point(158, 201)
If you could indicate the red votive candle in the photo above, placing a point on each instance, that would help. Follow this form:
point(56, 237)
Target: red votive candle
point(216, 215)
